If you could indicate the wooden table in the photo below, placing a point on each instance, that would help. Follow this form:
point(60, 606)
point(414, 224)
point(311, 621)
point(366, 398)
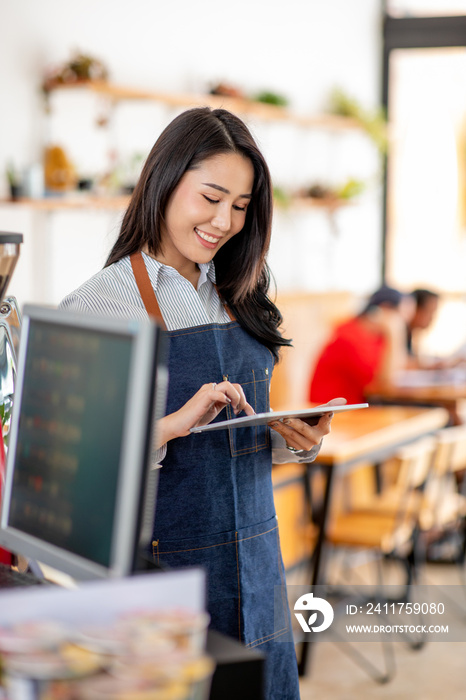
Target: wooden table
point(373, 433)
point(370, 435)
point(445, 388)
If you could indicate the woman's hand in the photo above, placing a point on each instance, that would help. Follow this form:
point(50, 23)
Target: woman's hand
point(301, 435)
point(201, 409)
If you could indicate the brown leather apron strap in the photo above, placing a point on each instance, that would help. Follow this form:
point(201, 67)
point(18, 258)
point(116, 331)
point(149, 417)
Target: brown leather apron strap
point(145, 287)
point(227, 308)
point(147, 292)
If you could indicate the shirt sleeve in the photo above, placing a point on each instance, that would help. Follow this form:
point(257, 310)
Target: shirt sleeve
point(158, 455)
point(282, 455)
point(74, 303)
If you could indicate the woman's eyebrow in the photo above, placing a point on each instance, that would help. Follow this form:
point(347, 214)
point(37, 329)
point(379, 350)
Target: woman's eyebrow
point(223, 189)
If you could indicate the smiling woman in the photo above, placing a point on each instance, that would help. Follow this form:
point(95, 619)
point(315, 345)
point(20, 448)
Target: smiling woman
point(192, 253)
point(207, 208)
point(193, 140)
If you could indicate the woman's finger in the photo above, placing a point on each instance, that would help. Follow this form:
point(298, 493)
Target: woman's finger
point(292, 438)
point(339, 401)
point(299, 434)
point(236, 396)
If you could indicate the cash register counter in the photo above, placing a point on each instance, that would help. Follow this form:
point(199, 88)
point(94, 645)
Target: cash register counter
point(25, 599)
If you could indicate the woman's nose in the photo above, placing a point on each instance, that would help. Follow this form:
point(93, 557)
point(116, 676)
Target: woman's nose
point(222, 220)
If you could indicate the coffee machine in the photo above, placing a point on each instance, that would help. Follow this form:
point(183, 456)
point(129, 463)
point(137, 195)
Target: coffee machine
point(10, 322)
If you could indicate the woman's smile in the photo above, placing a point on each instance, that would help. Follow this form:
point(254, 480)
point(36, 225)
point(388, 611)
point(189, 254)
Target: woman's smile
point(208, 238)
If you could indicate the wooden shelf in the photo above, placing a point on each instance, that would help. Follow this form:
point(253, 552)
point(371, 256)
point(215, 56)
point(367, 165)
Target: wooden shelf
point(73, 202)
point(328, 203)
point(117, 202)
point(260, 110)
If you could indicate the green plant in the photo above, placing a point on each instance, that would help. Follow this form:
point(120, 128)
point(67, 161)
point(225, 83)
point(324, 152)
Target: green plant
point(271, 98)
point(352, 188)
point(81, 67)
point(12, 175)
point(347, 191)
point(6, 408)
point(373, 122)
point(281, 197)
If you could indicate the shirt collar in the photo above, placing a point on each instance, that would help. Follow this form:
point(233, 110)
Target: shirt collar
point(156, 268)
point(207, 272)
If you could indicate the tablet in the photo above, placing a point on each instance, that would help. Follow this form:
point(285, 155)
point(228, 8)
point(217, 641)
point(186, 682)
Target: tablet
point(264, 418)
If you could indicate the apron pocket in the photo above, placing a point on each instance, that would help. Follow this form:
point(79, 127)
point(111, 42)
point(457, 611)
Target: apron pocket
point(218, 556)
point(244, 569)
point(262, 583)
point(255, 385)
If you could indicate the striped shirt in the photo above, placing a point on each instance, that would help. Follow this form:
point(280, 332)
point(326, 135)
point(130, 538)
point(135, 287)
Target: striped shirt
point(113, 292)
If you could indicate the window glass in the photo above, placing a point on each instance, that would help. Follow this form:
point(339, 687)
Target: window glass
point(426, 183)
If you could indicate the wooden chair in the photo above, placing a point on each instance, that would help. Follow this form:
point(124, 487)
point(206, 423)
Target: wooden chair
point(386, 524)
point(385, 527)
point(443, 510)
point(430, 487)
point(298, 534)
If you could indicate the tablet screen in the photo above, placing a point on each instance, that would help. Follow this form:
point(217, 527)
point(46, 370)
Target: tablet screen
point(264, 418)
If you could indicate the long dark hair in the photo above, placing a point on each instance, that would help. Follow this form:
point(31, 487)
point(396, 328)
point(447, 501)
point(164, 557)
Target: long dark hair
point(242, 273)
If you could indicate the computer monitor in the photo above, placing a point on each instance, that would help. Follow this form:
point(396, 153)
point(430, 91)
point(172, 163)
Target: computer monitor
point(80, 491)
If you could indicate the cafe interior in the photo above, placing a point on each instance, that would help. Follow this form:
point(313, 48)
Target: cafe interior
point(360, 112)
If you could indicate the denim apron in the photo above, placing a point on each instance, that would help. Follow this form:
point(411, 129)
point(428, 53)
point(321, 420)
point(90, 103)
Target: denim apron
point(215, 506)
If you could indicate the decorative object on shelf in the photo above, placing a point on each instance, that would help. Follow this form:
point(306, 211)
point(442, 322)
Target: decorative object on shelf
point(14, 182)
point(85, 184)
point(350, 189)
point(81, 68)
point(281, 197)
point(59, 172)
point(130, 171)
point(374, 123)
point(226, 90)
point(333, 196)
point(121, 176)
point(318, 191)
point(265, 96)
point(271, 98)
point(33, 181)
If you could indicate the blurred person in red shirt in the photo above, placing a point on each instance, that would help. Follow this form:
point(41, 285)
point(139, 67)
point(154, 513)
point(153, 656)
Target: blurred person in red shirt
point(366, 351)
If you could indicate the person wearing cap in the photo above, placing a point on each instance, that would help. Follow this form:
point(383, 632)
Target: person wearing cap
point(366, 351)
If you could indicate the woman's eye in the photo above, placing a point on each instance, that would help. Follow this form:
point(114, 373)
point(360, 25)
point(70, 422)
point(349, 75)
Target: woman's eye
point(212, 201)
point(238, 208)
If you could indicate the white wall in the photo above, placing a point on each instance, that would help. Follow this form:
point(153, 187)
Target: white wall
point(301, 48)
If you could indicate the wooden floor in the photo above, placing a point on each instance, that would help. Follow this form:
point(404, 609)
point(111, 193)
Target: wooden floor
point(437, 671)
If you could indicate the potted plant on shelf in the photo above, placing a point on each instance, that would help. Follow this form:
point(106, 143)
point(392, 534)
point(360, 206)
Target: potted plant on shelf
point(373, 122)
point(14, 182)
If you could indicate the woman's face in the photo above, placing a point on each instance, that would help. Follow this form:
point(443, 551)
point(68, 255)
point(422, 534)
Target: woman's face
point(207, 208)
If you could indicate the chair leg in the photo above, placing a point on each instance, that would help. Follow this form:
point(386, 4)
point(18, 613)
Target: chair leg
point(411, 563)
point(387, 671)
point(380, 676)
